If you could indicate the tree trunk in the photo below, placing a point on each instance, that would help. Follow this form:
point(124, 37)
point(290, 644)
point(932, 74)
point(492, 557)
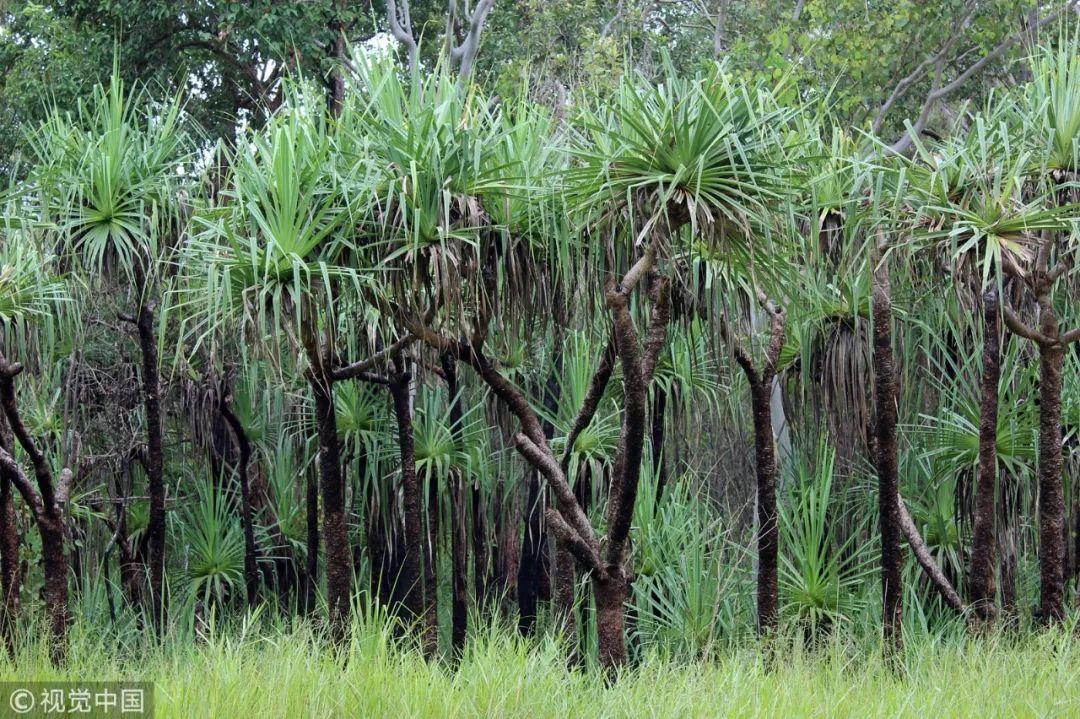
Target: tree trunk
point(983, 557)
point(458, 537)
point(10, 576)
point(155, 463)
point(335, 530)
point(768, 537)
point(251, 552)
point(610, 596)
point(533, 541)
point(885, 411)
point(410, 575)
point(1051, 491)
point(45, 502)
point(659, 464)
point(55, 591)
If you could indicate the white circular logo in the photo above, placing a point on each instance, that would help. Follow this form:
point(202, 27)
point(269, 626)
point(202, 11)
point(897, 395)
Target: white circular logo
point(21, 701)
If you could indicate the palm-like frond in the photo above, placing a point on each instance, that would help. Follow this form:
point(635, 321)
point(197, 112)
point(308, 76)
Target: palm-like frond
point(697, 150)
point(107, 178)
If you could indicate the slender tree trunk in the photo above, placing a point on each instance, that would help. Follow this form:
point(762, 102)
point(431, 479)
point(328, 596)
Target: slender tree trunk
point(410, 575)
point(10, 576)
point(1051, 491)
point(659, 461)
point(251, 552)
point(983, 557)
point(335, 530)
point(885, 411)
point(458, 530)
point(768, 535)
point(155, 463)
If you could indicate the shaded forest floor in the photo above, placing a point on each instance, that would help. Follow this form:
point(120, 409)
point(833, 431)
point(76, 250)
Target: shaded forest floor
point(248, 671)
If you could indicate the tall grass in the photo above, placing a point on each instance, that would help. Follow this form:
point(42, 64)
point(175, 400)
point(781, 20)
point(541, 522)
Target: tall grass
point(263, 668)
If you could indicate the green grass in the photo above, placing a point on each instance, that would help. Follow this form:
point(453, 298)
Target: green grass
point(275, 672)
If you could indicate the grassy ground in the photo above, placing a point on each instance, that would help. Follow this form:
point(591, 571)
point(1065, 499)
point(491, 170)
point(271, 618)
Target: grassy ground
point(279, 673)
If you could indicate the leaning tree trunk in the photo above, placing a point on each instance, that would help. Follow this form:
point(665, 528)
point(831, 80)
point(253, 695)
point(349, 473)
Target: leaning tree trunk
point(983, 555)
point(45, 502)
point(155, 463)
point(885, 459)
point(410, 574)
point(251, 551)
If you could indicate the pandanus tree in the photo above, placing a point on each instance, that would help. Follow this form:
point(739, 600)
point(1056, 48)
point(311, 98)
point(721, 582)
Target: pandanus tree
point(663, 163)
point(107, 181)
point(279, 255)
point(1051, 108)
point(29, 296)
point(681, 156)
point(982, 219)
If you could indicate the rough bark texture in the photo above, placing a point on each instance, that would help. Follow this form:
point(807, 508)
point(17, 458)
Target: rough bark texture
point(44, 502)
point(335, 531)
point(459, 611)
point(155, 463)
point(768, 536)
point(251, 551)
point(768, 532)
point(885, 417)
point(1051, 491)
point(984, 538)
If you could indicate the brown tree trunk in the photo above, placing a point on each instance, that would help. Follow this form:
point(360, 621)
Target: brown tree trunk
point(768, 536)
point(55, 591)
point(10, 576)
point(885, 420)
point(1051, 491)
point(611, 596)
point(983, 557)
point(410, 576)
point(251, 552)
point(155, 463)
point(44, 502)
point(335, 530)
point(459, 612)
